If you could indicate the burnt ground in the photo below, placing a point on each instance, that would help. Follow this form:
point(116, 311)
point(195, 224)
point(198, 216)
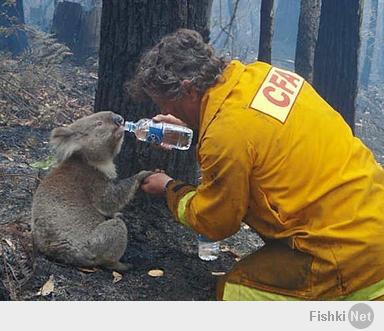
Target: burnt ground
point(37, 95)
point(156, 241)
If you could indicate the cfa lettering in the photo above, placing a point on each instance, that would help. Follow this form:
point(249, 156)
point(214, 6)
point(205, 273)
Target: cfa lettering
point(279, 88)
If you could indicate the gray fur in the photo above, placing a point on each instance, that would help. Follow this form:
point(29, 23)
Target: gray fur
point(75, 210)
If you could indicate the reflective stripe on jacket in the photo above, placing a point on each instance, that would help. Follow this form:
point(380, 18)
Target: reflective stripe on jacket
point(273, 153)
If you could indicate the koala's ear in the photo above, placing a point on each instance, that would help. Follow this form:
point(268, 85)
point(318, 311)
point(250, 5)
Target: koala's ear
point(63, 140)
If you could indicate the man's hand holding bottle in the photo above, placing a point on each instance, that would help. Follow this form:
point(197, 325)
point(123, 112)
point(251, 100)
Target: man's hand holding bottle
point(168, 119)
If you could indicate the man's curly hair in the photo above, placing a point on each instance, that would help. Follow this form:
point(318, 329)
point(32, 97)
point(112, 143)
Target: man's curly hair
point(182, 55)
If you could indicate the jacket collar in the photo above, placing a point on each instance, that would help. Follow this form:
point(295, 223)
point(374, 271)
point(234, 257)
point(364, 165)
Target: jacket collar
point(215, 96)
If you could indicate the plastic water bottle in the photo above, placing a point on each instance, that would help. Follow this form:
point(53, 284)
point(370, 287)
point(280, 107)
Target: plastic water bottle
point(164, 134)
point(208, 250)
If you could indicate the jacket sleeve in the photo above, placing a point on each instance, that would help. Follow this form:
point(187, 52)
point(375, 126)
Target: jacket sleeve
point(217, 206)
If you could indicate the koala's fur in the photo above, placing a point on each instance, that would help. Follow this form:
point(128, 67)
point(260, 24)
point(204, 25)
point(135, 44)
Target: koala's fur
point(75, 209)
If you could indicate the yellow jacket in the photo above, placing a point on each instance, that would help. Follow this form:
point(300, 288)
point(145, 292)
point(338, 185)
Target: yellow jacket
point(274, 154)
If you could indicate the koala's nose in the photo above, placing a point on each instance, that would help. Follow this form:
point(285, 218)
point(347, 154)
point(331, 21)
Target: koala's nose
point(117, 119)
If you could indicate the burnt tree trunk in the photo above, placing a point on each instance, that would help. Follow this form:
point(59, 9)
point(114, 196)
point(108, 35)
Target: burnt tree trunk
point(67, 22)
point(78, 28)
point(307, 37)
point(336, 55)
point(13, 38)
point(129, 27)
point(89, 35)
point(266, 31)
point(371, 41)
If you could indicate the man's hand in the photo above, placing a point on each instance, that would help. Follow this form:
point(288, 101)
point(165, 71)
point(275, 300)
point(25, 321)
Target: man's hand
point(168, 119)
point(155, 184)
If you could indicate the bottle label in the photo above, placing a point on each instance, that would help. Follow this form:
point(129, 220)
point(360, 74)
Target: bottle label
point(155, 133)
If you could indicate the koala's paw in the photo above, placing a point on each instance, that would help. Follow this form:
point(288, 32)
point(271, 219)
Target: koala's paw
point(143, 174)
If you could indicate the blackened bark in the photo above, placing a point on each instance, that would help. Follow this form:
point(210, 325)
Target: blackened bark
point(66, 23)
point(89, 36)
point(307, 37)
point(266, 31)
point(336, 55)
point(13, 38)
point(129, 27)
point(371, 41)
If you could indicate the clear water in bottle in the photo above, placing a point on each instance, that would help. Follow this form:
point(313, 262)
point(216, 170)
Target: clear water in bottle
point(208, 250)
point(164, 134)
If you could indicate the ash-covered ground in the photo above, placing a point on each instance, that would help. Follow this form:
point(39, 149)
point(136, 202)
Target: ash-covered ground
point(43, 90)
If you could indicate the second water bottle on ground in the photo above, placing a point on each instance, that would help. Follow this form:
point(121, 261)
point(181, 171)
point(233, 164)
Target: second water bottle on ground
point(208, 250)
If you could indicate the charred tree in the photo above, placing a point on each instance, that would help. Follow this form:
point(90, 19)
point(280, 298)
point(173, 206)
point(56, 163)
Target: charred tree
point(371, 41)
point(67, 23)
point(128, 28)
point(13, 38)
point(307, 37)
point(336, 55)
point(266, 31)
point(89, 35)
point(78, 28)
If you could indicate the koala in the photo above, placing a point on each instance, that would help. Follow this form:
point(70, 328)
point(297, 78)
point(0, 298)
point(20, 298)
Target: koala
point(75, 209)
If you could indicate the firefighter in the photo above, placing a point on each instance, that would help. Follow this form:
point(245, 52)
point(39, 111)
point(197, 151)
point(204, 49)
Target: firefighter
point(275, 155)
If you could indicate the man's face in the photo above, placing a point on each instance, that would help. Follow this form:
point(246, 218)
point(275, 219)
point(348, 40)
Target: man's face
point(186, 108)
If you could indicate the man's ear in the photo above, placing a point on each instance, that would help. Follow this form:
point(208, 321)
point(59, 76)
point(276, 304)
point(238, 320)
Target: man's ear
point(64, 143)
